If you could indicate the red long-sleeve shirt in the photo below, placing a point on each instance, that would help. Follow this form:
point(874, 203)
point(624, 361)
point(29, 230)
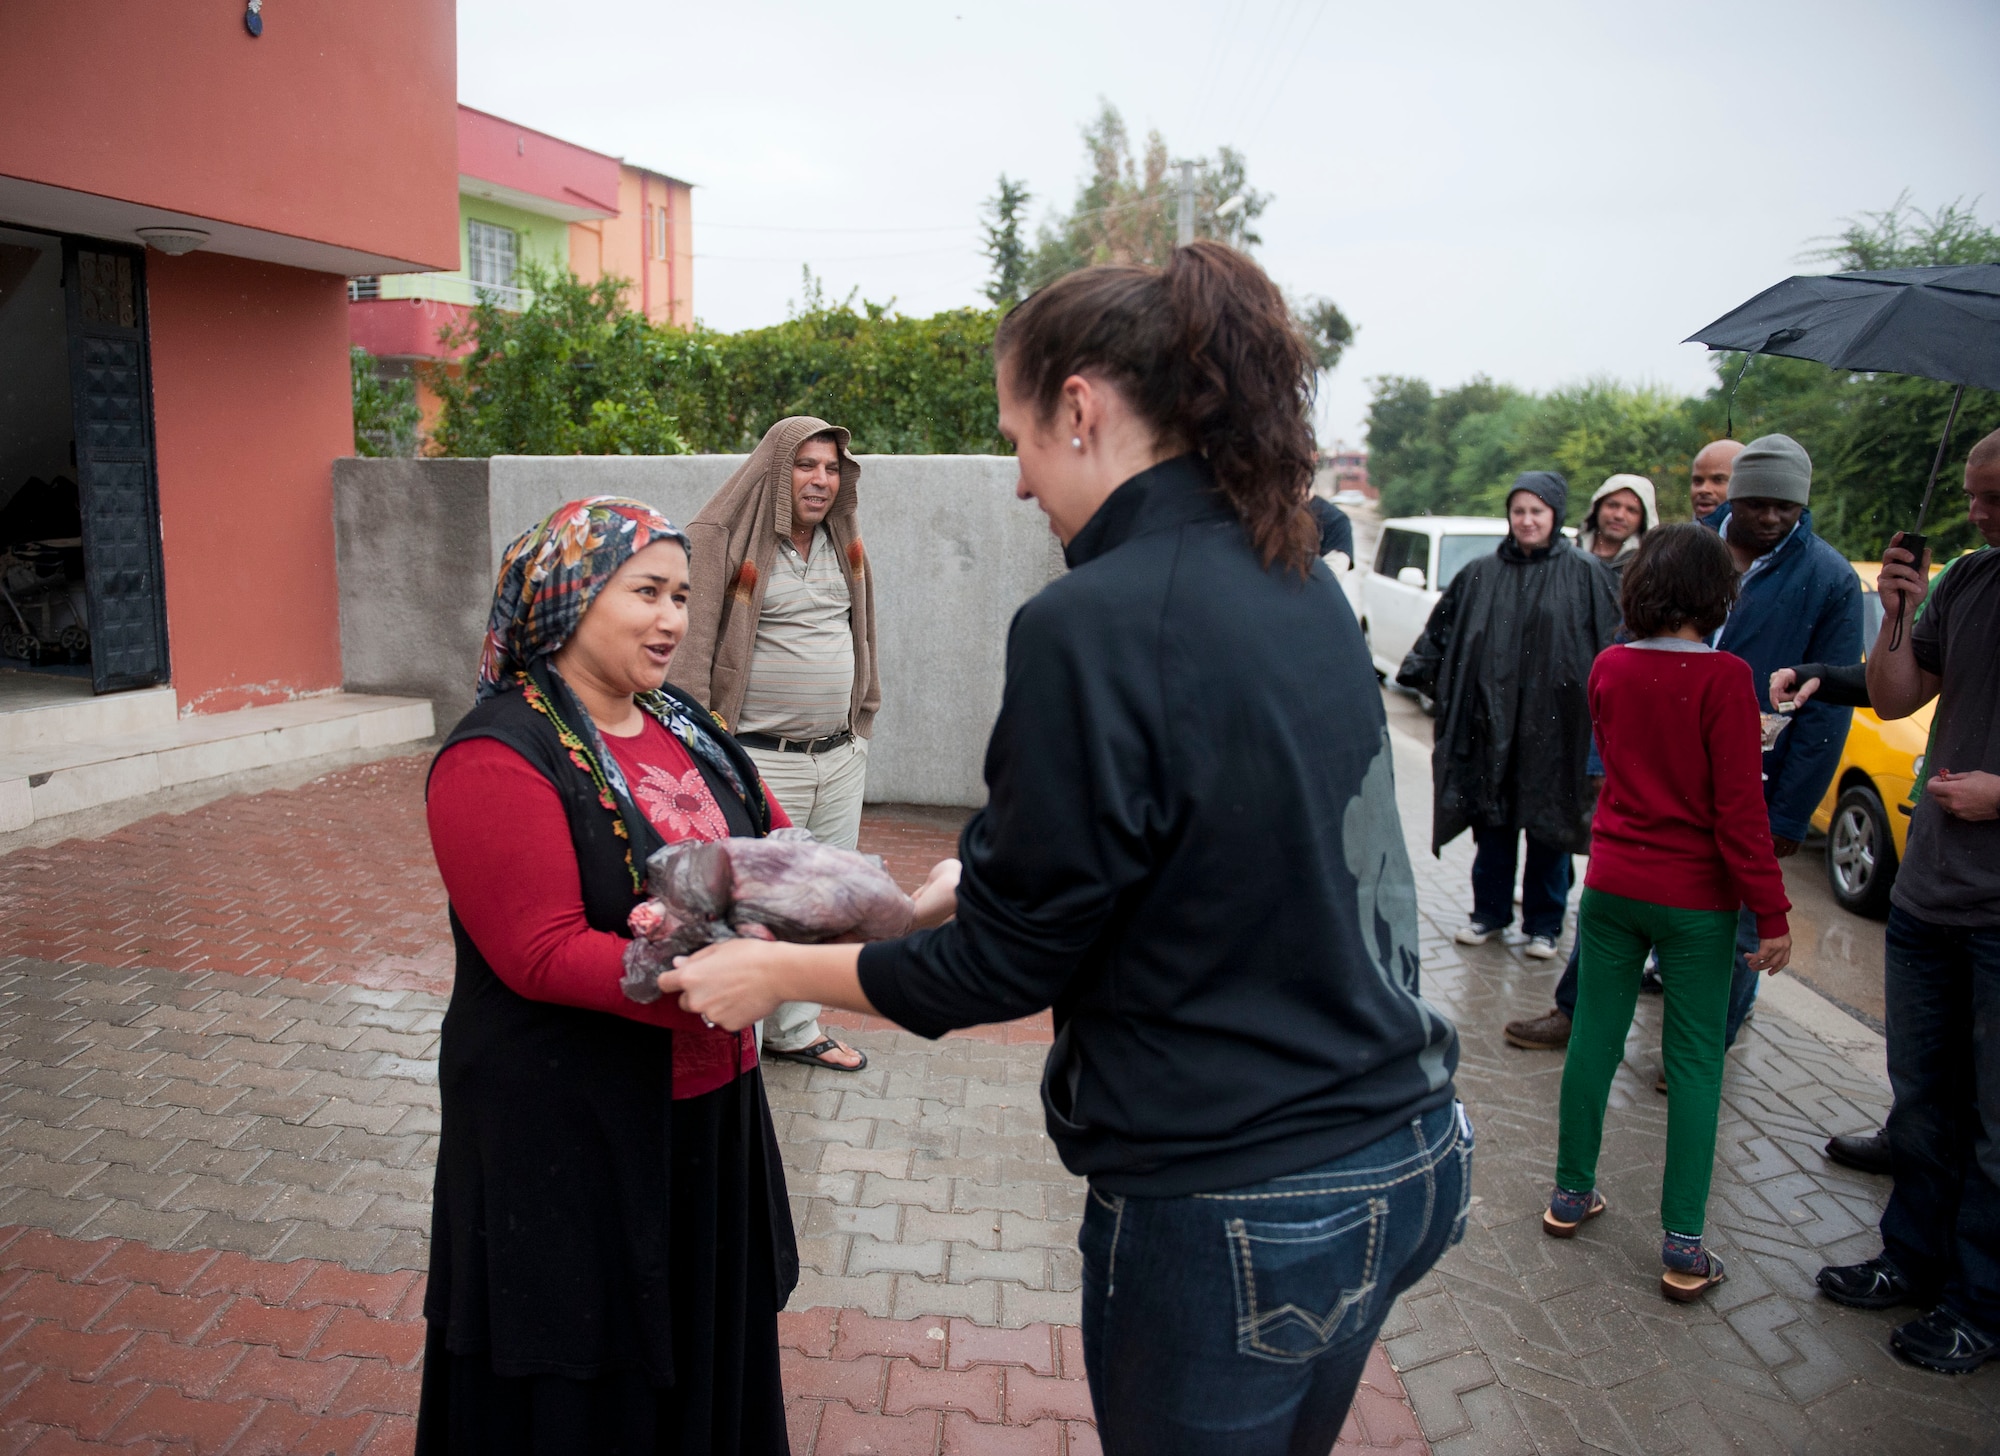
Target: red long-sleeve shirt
point(525, 911)
point(1681, 818)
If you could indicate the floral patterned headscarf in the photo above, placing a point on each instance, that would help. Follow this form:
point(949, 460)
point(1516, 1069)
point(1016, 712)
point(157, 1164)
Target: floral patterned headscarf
point(548, 576)
point(556, 569)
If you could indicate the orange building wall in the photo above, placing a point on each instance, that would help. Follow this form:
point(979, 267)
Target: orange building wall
point(661, 288)
point(339, 124)
point(250, 408)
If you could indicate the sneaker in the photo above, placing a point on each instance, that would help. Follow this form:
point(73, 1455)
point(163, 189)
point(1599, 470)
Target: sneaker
point(1541, 948)
point(1543, 1034)
point(1944, 1341)
point(1877, 1284)
point(1473, 933)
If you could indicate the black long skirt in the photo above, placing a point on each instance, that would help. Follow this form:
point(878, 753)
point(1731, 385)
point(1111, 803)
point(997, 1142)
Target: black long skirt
point(726, 1399)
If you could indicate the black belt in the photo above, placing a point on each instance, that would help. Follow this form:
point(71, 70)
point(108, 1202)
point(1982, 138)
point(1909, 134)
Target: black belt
point(775, 744)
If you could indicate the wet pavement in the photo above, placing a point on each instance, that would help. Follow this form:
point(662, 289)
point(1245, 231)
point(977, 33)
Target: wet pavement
point(218, 1118)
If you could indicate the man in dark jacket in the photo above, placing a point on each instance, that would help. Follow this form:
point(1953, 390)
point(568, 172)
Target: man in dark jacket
point(1336, 532)
point(1799, 601)
point(1507, 655)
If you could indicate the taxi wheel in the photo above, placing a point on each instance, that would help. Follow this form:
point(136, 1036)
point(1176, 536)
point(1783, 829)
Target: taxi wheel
point(1861, 853)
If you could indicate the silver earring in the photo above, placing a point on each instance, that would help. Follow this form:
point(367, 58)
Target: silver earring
point(1076, 442)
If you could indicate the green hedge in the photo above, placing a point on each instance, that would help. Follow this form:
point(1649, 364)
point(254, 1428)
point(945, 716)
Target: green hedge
point(577, 372)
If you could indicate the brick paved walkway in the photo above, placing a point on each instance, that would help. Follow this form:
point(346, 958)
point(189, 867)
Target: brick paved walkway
point(218, 1116)
point(1519, 1343)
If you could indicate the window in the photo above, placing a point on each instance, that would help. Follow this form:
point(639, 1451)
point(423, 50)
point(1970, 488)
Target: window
point(1455, 551)
point(492, 251)
point(1400, 549)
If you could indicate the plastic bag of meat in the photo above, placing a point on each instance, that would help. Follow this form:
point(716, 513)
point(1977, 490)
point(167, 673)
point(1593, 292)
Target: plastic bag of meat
point(787, 886)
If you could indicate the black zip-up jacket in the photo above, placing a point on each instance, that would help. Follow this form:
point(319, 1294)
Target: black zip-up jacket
point(1191, 850)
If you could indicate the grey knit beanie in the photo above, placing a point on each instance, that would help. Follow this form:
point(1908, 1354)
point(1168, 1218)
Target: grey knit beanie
point(1772, 467)
point(1547, 487)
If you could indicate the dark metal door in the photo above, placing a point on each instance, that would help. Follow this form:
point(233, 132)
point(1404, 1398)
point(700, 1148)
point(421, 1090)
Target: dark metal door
point(112, 404)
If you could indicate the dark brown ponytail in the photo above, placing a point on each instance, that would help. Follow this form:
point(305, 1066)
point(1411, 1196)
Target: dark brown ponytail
point(1206, 351)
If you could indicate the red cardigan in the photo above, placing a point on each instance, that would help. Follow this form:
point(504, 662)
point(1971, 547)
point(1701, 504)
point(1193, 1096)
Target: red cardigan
point(1681, 819)
point(525, 911)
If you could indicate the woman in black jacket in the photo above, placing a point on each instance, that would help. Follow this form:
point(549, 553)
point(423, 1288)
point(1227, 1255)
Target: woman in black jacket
point(1191, 850)
point(1507, 654)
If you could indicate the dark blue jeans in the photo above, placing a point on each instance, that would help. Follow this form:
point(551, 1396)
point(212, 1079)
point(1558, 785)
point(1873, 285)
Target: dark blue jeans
point(1942, 1226)
point(1237, 1323)
point(1544, 882)
point(1742, 980)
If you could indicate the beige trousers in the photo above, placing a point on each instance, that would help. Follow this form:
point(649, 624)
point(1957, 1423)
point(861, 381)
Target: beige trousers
point(820, 792)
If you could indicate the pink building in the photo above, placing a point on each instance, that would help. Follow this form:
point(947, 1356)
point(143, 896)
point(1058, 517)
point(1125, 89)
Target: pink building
point(523, 196)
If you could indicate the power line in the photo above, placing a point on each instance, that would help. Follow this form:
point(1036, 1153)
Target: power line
point(1285, 79)
point(797, 258)
point(754, 227)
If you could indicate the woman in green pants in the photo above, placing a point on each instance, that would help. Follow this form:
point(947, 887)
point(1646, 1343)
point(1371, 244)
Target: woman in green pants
point(1679, 840)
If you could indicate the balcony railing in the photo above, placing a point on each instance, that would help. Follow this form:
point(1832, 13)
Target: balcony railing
point(453, 288)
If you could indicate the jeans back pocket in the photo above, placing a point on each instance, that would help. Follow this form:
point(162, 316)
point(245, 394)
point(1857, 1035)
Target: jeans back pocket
point(1465, 1144)
point(1299, 1284)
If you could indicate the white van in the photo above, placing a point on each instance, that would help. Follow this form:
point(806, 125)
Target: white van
point(1414, 562)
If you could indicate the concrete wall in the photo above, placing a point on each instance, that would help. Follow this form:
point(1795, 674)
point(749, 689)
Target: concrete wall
point(954, 555)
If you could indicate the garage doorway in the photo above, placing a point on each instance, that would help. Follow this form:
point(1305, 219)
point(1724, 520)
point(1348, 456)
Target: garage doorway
point(81, 592)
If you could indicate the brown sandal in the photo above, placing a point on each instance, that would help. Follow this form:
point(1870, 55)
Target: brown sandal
point(1556, 1228)
point(815, 1055)
point(1686, 1288)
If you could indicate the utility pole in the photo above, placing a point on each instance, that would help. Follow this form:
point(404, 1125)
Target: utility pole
point(1186, 231)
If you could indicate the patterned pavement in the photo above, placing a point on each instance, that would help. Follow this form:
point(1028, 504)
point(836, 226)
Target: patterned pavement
point(1519, 1343)
point(218, 1117)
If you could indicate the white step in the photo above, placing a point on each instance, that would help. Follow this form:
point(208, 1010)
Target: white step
point(36, 709)
point(43, 780)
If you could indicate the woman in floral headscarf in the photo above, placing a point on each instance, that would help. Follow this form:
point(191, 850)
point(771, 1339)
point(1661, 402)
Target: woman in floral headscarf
point(611, 1240)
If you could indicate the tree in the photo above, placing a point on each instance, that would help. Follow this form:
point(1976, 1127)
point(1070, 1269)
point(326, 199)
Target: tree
point(1127, 210)
point(576, 372)
point(1327, 331)
point(1004, 245)
point(385, 410)
point(1872, 438)
point(1904, 236)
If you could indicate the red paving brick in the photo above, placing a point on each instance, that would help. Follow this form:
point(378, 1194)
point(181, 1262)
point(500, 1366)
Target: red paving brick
point(329, 882)
point(110, 1344)
point(881, 1384)
point(98, 1356)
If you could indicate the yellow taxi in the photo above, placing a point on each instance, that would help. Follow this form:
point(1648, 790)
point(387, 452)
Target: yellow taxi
point(1865, 814)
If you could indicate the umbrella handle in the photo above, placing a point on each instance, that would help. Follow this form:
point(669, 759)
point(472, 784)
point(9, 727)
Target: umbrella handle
point(1729, 425)
point(1937, 462)
point(1913, 541)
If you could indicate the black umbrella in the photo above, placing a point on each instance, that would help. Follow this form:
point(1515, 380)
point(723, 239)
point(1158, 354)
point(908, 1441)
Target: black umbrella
point(1938, 323)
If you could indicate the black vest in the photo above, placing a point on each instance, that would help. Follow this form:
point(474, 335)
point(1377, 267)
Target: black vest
point(551, 1213)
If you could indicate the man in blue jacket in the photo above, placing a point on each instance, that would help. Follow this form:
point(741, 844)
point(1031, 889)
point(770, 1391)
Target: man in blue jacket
point(1797, 595)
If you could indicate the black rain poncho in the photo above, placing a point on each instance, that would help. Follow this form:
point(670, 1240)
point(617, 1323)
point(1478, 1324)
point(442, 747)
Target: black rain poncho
point(1506, 655)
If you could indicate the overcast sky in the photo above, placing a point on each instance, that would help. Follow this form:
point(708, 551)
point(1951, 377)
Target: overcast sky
point(1539, 192)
